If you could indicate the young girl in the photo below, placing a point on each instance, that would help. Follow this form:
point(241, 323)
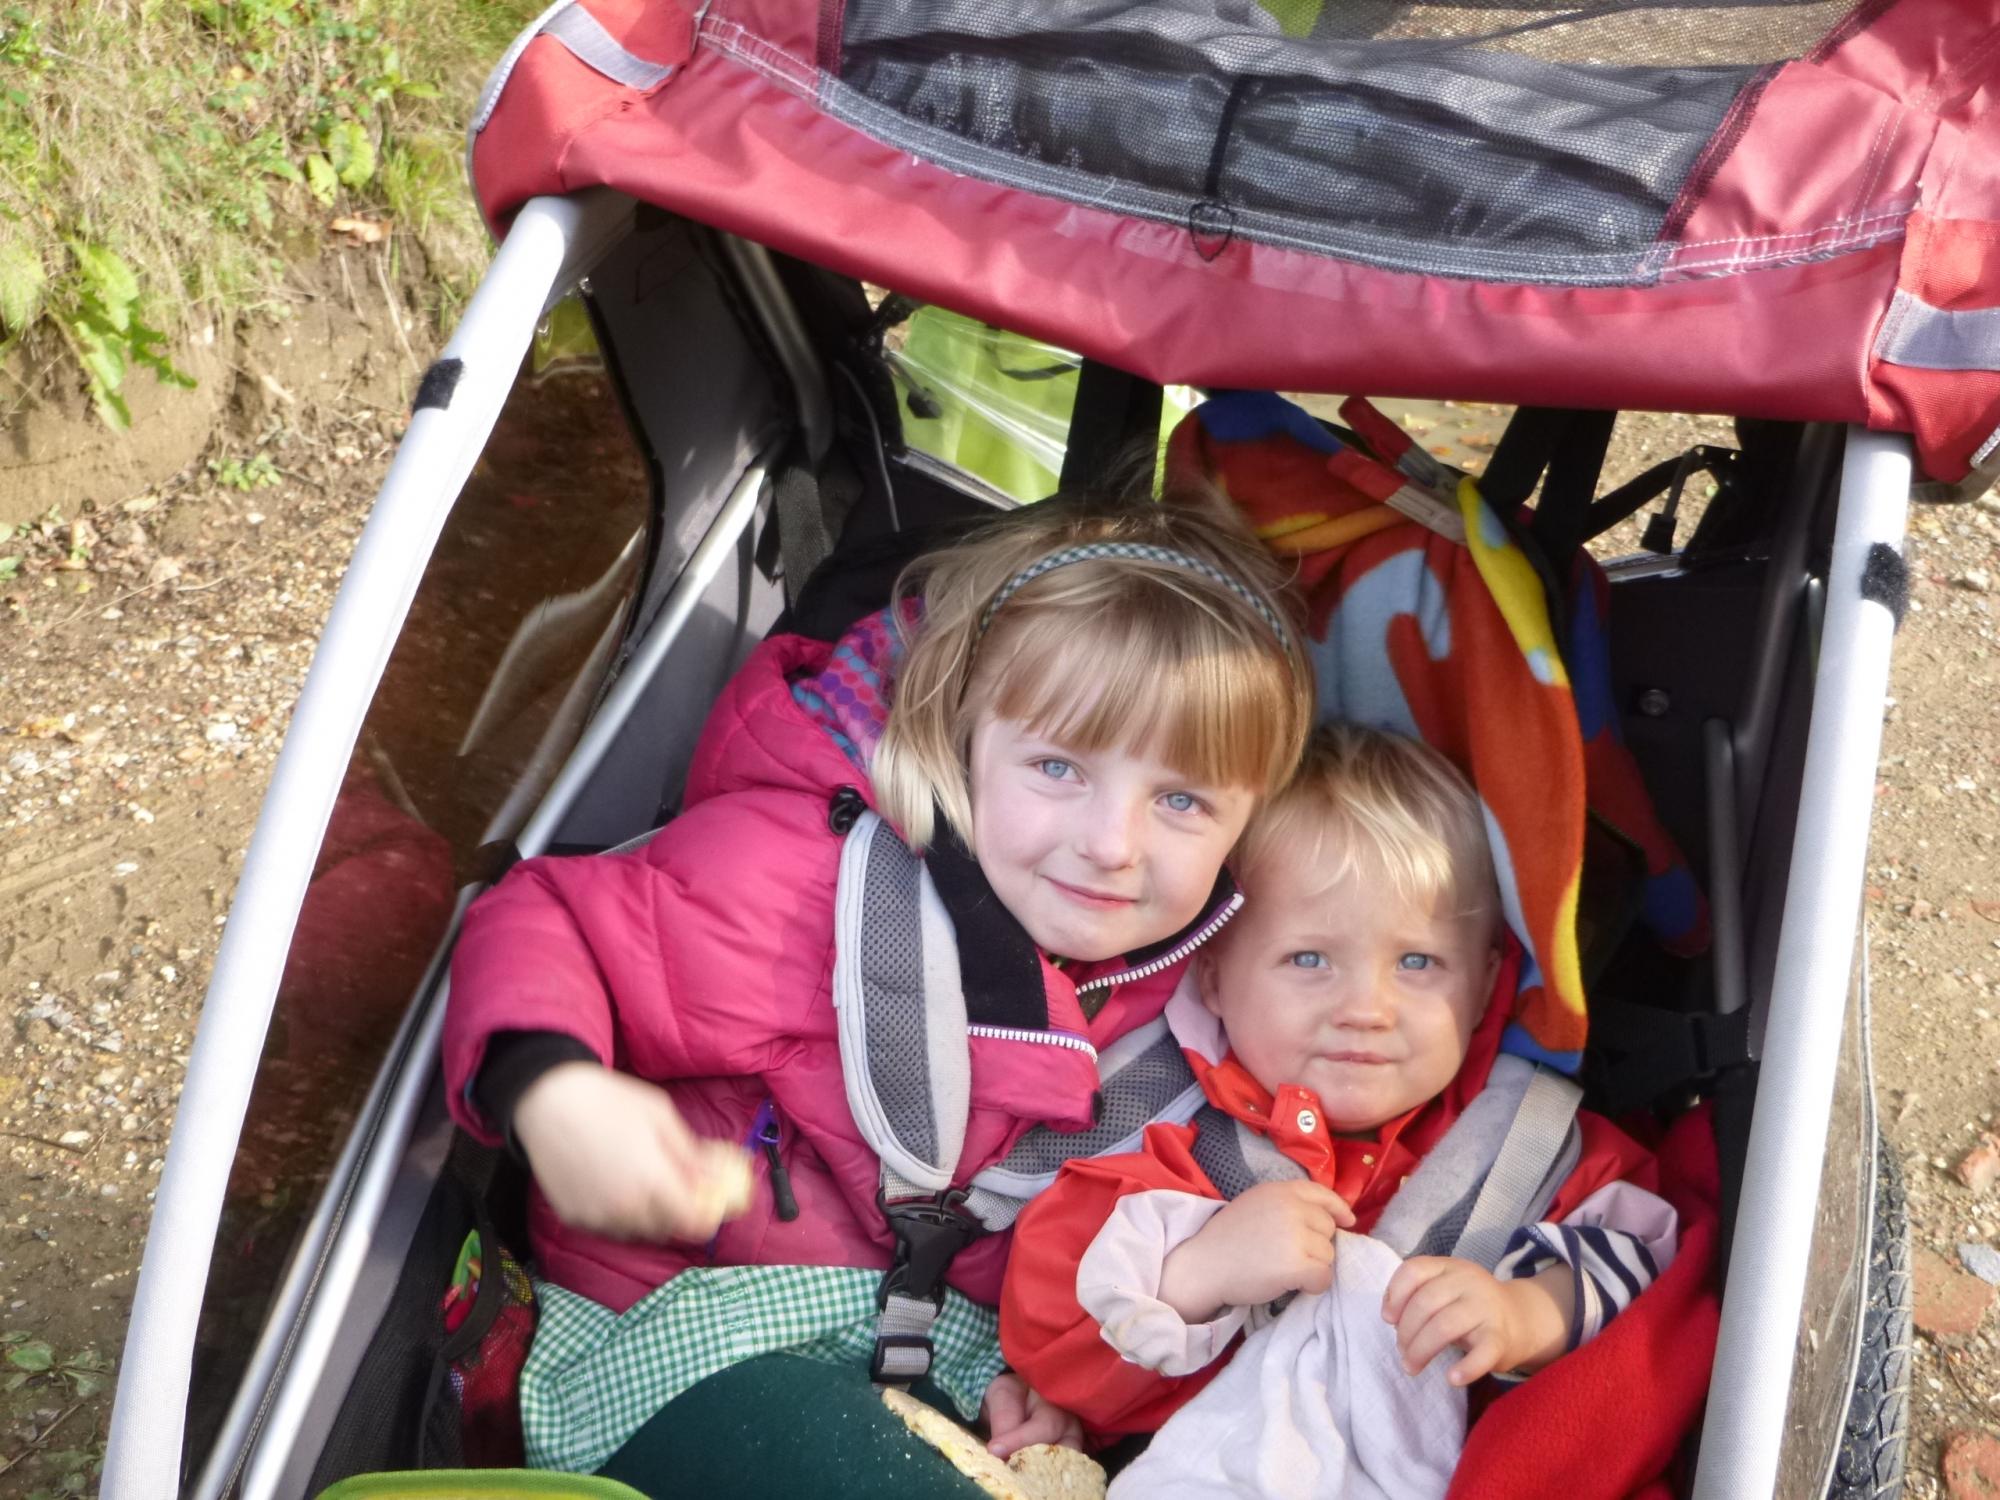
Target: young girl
point(1072, 723)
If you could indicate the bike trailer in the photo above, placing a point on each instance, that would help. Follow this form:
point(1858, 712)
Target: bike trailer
point(779, 281)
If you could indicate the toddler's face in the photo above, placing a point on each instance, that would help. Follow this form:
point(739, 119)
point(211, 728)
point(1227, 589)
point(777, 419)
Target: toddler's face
point(1095, 853)
point(1340, 986)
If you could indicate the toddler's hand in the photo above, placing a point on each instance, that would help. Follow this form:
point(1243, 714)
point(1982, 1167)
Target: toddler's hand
point(1275, 1238)
point(1436, 1301)
point(1017, 1417)
point(613, 1156)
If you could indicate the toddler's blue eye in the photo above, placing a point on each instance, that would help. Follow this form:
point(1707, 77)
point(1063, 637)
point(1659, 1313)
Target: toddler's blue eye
point(1415, 962)
point(1307, 960)
point(1055, 769)
point(1182, 802)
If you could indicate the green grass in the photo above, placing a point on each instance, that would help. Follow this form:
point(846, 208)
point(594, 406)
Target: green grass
point(160, 160)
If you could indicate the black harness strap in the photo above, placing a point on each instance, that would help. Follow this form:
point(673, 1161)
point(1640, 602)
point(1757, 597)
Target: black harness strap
point(1113, 412)
point(1562, 514)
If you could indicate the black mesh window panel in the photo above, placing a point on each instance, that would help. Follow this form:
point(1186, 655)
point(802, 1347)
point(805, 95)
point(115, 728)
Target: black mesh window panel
point(1522, 143)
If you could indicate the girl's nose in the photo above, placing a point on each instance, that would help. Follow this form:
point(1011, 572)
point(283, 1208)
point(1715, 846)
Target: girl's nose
point(1108, 832)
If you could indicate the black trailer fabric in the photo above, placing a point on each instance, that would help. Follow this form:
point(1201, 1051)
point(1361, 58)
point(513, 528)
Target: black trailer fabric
point(1531, 143)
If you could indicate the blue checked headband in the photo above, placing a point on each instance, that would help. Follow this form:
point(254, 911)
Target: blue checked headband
point(1140, 551)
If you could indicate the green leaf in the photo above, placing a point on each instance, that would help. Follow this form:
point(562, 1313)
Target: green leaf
point(22, 279)
point(351, 153)
point(15, 1381)
point(85, 1383)
point(35, 1356)
point(108, 277)
point(102, 359)
point(9, 567)
point(322, 179)
point(277, 166)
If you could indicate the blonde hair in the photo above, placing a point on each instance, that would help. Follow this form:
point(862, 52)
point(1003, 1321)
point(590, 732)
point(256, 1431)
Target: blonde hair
point(1385, 806)
point(1104, 653)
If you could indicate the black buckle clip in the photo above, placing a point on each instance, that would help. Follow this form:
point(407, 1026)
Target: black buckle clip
point(929, 1233)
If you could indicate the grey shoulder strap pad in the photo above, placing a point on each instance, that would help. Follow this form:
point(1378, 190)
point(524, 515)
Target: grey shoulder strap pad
point(900, 1008)
point(1497, 1168)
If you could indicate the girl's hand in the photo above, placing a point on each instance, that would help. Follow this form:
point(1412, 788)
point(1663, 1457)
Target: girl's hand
point(613, 1156)
point(1275, 1238)
point(1436, 1301)
point(1016, 1417)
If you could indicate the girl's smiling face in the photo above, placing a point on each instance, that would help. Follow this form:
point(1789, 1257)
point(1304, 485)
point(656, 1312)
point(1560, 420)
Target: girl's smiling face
point(1095, 853)
point(1336, 983)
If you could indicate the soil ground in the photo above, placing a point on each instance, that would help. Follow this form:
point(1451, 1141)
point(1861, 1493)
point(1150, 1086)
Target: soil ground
point(147, 666)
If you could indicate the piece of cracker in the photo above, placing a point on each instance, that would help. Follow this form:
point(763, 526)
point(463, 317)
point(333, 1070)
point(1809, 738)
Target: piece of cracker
point(1048, 1471)
point(967, 1454)
point(1043, 1472)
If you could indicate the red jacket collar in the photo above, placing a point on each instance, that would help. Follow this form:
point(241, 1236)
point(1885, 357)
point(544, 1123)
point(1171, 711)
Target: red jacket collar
point(1364, 1171)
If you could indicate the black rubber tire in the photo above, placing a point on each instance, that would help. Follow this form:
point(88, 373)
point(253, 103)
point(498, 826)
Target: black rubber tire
point(1875, 1442)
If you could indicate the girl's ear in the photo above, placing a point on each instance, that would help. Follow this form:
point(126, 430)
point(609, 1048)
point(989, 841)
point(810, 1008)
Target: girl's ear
point(1206, 982)
point(1494, 955)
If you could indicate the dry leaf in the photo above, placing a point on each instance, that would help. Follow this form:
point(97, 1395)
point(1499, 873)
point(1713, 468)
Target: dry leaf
point(361, 231)
point(1987, 909)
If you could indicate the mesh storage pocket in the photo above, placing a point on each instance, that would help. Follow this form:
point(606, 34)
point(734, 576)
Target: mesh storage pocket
point(1533, 144)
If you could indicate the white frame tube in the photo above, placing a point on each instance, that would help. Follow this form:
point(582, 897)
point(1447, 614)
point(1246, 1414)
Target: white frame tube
point(1749, 1389)
point(548, 239)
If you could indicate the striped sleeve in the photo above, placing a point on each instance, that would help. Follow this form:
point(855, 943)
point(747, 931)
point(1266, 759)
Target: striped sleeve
point(1618, 1241)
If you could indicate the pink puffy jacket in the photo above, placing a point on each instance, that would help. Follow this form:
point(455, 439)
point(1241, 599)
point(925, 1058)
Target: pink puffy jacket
point(704, 962)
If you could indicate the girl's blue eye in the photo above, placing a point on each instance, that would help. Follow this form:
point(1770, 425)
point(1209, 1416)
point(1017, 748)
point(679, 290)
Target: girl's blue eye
point(1055, 770)
point(1307, 960)
point(1182, 802)
point(1415, 962)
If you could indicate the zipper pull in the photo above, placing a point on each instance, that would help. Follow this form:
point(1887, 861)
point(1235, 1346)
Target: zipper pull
point(781, 1180)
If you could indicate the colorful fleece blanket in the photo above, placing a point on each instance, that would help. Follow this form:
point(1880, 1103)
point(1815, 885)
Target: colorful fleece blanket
point(1428, 619)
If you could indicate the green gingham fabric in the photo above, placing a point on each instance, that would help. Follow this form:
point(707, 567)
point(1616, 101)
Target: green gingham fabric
point(594, 1377)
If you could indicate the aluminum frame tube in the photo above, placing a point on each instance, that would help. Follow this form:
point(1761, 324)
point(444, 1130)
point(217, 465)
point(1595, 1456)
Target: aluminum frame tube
point(299, 1383)
point(1750, 1383)
point(1725, 870)
point(143, 1456)
point(787, 332)
point(1777, 619)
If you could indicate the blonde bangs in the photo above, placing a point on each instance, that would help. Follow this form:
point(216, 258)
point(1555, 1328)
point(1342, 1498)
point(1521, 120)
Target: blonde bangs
point(1371, 805)
point(1178, 684)
point(1130, 652)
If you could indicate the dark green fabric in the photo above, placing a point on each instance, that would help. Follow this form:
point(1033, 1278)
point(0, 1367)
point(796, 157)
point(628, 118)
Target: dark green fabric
point(787, 1428)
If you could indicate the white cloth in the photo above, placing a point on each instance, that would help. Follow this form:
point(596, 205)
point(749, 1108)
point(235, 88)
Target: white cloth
point(1315, 1405)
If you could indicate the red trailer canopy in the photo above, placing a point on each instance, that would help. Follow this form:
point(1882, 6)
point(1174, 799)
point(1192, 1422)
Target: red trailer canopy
point(1783, 208)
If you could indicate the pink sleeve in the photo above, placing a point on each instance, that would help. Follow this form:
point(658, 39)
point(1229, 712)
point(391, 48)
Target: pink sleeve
point(701, 954)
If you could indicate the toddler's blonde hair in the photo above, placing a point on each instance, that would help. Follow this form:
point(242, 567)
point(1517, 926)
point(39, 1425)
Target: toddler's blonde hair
point(1100, 654)
point(1384, 806)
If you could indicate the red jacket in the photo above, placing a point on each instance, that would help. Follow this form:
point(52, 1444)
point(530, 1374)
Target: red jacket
point(1057, 1346)
point(703, 962)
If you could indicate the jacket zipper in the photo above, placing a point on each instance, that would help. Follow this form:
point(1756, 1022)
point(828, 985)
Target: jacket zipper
point(1067, 1039)
point(1167, 960)
point(764, 1134)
